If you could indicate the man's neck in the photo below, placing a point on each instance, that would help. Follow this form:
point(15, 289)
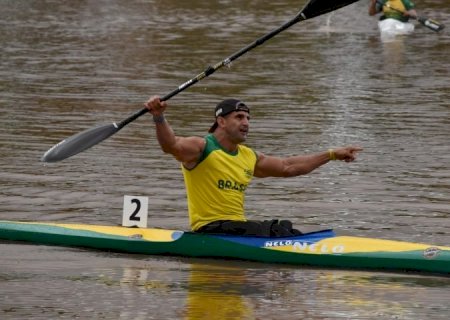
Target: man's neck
point(225, 142)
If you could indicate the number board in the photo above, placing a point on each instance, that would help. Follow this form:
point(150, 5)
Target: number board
point(135, 211)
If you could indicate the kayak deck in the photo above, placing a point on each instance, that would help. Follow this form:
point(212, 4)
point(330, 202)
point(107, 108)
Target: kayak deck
point(321, 248)
point(394, 27)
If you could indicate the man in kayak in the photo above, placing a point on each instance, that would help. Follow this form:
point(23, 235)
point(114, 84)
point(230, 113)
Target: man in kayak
point(218, 168)
point(399, 10)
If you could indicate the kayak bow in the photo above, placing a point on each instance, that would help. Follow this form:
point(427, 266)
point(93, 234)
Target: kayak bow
point(392, 27)
point(321, 248)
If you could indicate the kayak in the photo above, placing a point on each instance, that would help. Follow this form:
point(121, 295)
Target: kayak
point(319, 248)
point(391, 27)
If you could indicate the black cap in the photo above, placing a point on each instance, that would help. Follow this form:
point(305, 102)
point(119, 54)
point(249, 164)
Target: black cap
point(228, 106)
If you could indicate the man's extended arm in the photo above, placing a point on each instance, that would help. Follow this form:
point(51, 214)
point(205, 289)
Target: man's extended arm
point(269, 166)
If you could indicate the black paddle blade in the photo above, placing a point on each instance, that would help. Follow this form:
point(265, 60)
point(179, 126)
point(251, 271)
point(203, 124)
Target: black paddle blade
point(315, 8)
point(431, 24)
point(79, 142)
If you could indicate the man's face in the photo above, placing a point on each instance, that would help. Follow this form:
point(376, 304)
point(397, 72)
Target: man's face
point(237, 125)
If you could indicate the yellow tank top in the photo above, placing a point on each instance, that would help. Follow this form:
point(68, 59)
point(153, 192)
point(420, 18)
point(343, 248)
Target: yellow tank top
point(393, 8)
point(397, 4)
point(397, 7)
point(215, 187)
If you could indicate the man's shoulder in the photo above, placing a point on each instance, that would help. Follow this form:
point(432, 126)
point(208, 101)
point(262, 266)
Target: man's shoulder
point(248, 151)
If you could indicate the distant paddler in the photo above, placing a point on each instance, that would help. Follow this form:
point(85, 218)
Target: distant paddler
point(395, 17)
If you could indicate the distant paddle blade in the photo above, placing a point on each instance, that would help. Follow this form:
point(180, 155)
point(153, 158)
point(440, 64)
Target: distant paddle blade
point(431, 24)
point(315, 8)
point(79, 142)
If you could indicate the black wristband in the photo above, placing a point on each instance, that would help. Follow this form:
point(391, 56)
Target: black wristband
point(159, 119)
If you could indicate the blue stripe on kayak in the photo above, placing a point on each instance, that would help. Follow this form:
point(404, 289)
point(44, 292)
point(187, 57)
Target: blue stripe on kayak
point(311, 237)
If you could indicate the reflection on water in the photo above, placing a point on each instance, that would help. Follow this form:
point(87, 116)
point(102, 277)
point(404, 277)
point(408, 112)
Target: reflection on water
point(83, 284)
point(217, 292)
point(70, 65)
point(394, 52)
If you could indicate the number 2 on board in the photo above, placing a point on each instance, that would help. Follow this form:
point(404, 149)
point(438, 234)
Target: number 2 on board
point(134, 216)
point(135, 211)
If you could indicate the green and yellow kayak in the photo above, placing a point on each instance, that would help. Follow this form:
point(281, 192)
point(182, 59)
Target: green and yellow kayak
point(320, 248)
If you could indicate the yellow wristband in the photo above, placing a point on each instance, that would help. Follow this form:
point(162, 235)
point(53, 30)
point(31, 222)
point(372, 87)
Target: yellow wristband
point(331, 154)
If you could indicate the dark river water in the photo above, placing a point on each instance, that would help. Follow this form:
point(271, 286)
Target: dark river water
point(67, 66)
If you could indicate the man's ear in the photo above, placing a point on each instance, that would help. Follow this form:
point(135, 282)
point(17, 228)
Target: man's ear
point(221, 121)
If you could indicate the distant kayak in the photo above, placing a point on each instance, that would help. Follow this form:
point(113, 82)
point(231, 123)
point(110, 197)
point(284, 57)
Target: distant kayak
point(392, 27)
point(321, 248)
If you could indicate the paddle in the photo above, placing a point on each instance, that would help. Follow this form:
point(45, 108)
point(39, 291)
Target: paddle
point(429, 23)
point(90, 137)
